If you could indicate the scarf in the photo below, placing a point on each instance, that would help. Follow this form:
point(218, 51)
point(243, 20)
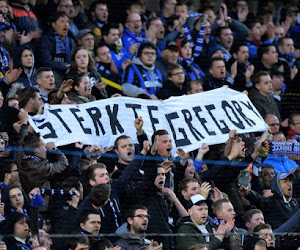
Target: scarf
point(272, 147)
point(139, 38)
point(188, 62)
point(216, 221)
point(288, 57)
point(84, 98)
point(199, 41)
point(56, 192)
point(194, 15)
point(103, 69)
point(187, 33)
point(3, 59)
point(63, 47)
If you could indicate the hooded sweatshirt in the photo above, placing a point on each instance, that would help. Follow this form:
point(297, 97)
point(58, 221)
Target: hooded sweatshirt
point(27, 79)
point(129, 240)
point(139, 78)
point(277, 209)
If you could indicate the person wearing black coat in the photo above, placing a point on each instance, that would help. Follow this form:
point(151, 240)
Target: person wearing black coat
point(279, 207)
point(174, 85)
point(111, 216)
point(55, 47)
point(150, 194)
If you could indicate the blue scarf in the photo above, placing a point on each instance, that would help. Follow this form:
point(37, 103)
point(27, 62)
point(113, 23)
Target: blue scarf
point(187, 33)
point(289, 58)
point(194, 15)
point(56, 192)
point(139, 38)
point(111, 204)
point(217, 221)
point(13, 210)
point(63, 47)
point(188, 62)
point(3, 59)
point(199, 41)
point(283, 147)
point(101, 68)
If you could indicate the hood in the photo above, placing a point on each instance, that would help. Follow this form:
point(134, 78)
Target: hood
point(125, 234)
point(17, 58)
point(277, 191)
point(137, 61)
point(6, 200)
point(187, 221)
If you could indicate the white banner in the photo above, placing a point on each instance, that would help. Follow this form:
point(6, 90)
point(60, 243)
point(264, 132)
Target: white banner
point(190, 120)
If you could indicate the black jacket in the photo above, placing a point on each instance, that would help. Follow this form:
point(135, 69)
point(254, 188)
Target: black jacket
point(211, 83)
point(62, 220)
point(169, 89)
point(264, 104)
point(153, 198)
point(48, 56)
point(277, 209)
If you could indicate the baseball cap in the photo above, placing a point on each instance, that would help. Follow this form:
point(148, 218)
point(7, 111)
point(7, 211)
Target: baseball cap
point(82, 33)
point(284, 175)
point(196, 200)
point(172, 46)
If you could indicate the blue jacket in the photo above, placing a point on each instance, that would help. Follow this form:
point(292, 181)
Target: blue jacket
point(281, 163)
point(139, 78)
point(129, 38)
point(119, 56)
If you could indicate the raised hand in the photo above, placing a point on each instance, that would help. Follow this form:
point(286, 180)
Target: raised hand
point(146, 147)
point(154, 145)
point(204, 189)
point(138, 124)
point(167, 166)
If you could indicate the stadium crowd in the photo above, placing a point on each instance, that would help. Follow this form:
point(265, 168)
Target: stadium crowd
point(235, 195)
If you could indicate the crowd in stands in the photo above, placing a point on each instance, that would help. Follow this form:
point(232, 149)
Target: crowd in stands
point(236, 195)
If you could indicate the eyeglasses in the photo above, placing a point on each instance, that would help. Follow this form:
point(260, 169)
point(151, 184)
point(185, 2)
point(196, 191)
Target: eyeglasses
point(147, 53)
point(296, 123)
point(269, 235)
point(67, 6)
point(15, 170)
point(142, 216)
point(178, 73)
point(274, 124)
